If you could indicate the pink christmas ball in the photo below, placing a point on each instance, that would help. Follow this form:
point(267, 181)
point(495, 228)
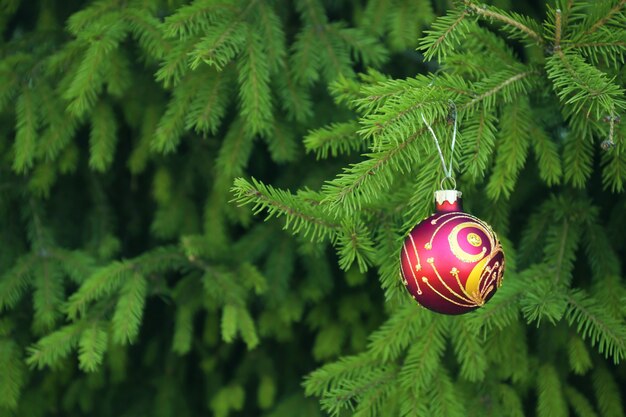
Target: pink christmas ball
point(452, 262)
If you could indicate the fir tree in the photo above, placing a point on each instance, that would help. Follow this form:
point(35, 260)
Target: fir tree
point(139, 139)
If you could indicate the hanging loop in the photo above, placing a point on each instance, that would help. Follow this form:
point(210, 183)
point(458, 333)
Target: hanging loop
point(453, 115)
point(447, 170)
point(451, 179)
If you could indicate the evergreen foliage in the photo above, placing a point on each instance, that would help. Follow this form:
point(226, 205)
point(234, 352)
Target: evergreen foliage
point(140, 138)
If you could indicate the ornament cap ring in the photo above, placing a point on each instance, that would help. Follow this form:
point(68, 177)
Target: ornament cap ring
point(444, 180)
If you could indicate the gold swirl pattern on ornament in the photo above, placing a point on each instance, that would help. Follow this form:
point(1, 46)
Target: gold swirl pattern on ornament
point(471, 292)
point(445, 297)
point(482, 272)
point(463, 297)
point(500, 274)
point(418, 266)
point(454, 215)
point(455, 273)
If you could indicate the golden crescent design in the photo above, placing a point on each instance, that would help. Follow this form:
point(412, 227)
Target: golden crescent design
point(472, 285)
point(453, 239)
point(480, 272)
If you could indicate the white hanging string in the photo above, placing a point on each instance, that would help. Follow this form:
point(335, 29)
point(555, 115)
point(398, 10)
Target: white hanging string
point(446, 170)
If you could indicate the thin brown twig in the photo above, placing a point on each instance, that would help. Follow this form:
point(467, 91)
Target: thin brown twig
point(557, 30)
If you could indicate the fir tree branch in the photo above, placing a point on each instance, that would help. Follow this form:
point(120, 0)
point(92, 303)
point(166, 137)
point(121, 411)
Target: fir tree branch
point(513, 147)
point(600, 22)
point(86, 83)
point(354, 244)
point(333, 140)
point(234, 153)
point(146, 29)
point(104, 282)
point(209, 104)
point(76, 264)
point(343, 190)
point(451, 27)
point(279, 202)
point(13, 375)
point(91, 347)
point(486, 12)
point(190, 19)
point(547, 156)
point(129, 310)
point(562, 247)
point(397, 333)
point(332, 374)
point(579, 403)
point(469, 347)
point(48, 350)
point(607, 392)
point(296, 100)
point(221, 44)
point(174, 64)
point(550, 401)
point(443, 397)
point(27, 123)
point(504, 310)
point(305, 59)
point(557, 29)
point(223, 40)
point(172, 124)
point(350, 392)
point(594, 44)
point(367, 48)
point(103, 137)
point(579, 358)
point(593, 322)
point(445, 34)
point(254, 91)
point(13, 283)
point(424, 356)
point(271, 30)
point(602, 48)
point(583, 86)
point(112, 277)
point(514, 78)
point(319, 24)
point(48, 294)
point(475, 157)
point(381, 161)
point(578, 158)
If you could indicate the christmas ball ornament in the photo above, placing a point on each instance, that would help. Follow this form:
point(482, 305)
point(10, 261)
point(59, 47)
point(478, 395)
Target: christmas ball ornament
point(452, 262)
